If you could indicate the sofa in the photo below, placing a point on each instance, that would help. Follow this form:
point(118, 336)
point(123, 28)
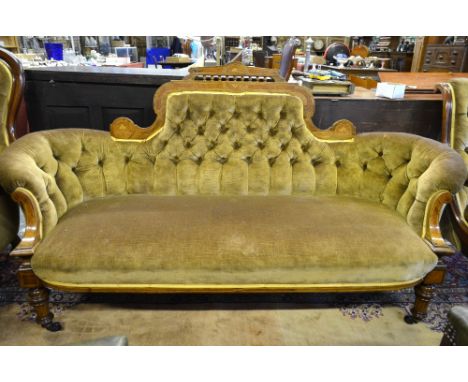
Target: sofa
point(232, 189)
point(455, 133)
point(11, 92)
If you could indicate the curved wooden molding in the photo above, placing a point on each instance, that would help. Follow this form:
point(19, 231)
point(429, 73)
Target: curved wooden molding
point(33, 216)
point(234, 71)
point(17, 90)
point(126, 130)
point(431, 229)
point(448, 112)
point(460, 224)
point(228, 288)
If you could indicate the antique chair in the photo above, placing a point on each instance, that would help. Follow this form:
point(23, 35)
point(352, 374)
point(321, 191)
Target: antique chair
point(455, 133)
point(11, 92)
point(287, 55)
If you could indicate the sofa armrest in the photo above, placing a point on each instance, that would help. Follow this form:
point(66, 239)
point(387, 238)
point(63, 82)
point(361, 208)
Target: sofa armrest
point(402, 171)
point(35, 190)
point(33, 222)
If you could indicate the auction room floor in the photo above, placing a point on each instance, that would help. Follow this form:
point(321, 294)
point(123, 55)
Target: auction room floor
point(216, 324)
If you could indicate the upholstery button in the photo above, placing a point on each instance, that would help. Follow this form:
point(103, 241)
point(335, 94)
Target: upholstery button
point(210, 145)
point(198, 160)
point(364, 166)
point(380, 153)
point(271, 161)
point(175, 159)
point(283, 114)
point(248, 159)
point(223, 129)
point(293, 161)
point(101, 162)
point(73, 169)
point(236, 145)
point(188, 144)
point(212, 113)
point(273, 132)
point(200, 131)
point(260, 145)
point(222, 160)
point(249, 129)
point(152, 159)
point(305, 147)
point(187, 114)
point(316, 162)
point(236, 114)
point(284, 145)
point(163, 143)
point(338, 163)
point(177, 130)
point(127, 159)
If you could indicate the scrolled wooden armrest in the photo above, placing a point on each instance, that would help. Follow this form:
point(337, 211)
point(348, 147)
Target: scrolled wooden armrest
point(431, 229)
point(33, 217)
point(341, 130)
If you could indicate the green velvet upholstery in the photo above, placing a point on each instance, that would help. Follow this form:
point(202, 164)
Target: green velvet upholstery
point(148, 239)
point(9, 213)
point(226, 145)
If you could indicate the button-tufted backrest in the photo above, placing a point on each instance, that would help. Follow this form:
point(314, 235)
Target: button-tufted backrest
point(459, 133)
point(227, 144)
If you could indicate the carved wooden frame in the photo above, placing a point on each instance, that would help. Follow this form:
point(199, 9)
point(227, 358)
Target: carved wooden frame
point(234, 71)
point(17, 90)
point(125, 129)
point(448, 124)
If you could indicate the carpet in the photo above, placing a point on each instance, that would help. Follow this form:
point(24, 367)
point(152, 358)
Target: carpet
point(363, 307)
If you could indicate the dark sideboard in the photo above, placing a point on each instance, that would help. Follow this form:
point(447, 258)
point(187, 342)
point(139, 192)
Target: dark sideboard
point(93, 97)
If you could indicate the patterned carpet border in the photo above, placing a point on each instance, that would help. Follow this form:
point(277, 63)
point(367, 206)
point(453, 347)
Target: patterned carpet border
point(364, 306)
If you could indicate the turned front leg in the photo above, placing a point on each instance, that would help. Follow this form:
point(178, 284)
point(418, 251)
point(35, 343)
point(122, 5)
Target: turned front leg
point(424, 293)
point(38, 297)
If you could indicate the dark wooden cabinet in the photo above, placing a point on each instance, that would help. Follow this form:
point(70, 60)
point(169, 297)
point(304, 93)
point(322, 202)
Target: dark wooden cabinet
point(443, 58)
point(91, 97)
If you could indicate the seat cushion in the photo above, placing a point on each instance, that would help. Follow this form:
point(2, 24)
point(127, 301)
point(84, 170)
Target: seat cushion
point(146, 239)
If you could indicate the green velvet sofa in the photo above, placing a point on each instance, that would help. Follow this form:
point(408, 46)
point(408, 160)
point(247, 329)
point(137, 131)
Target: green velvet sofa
point(455, 133)
point(232, 189)
point(11, 92)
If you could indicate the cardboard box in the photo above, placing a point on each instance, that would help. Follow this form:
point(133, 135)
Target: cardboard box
point(390, 90)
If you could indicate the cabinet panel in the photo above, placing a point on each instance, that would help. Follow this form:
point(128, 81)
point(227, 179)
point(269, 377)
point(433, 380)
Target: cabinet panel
point(67, 116)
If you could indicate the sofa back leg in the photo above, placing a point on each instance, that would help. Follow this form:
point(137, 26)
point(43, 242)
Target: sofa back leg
point(424, 293)
point(38, 297)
